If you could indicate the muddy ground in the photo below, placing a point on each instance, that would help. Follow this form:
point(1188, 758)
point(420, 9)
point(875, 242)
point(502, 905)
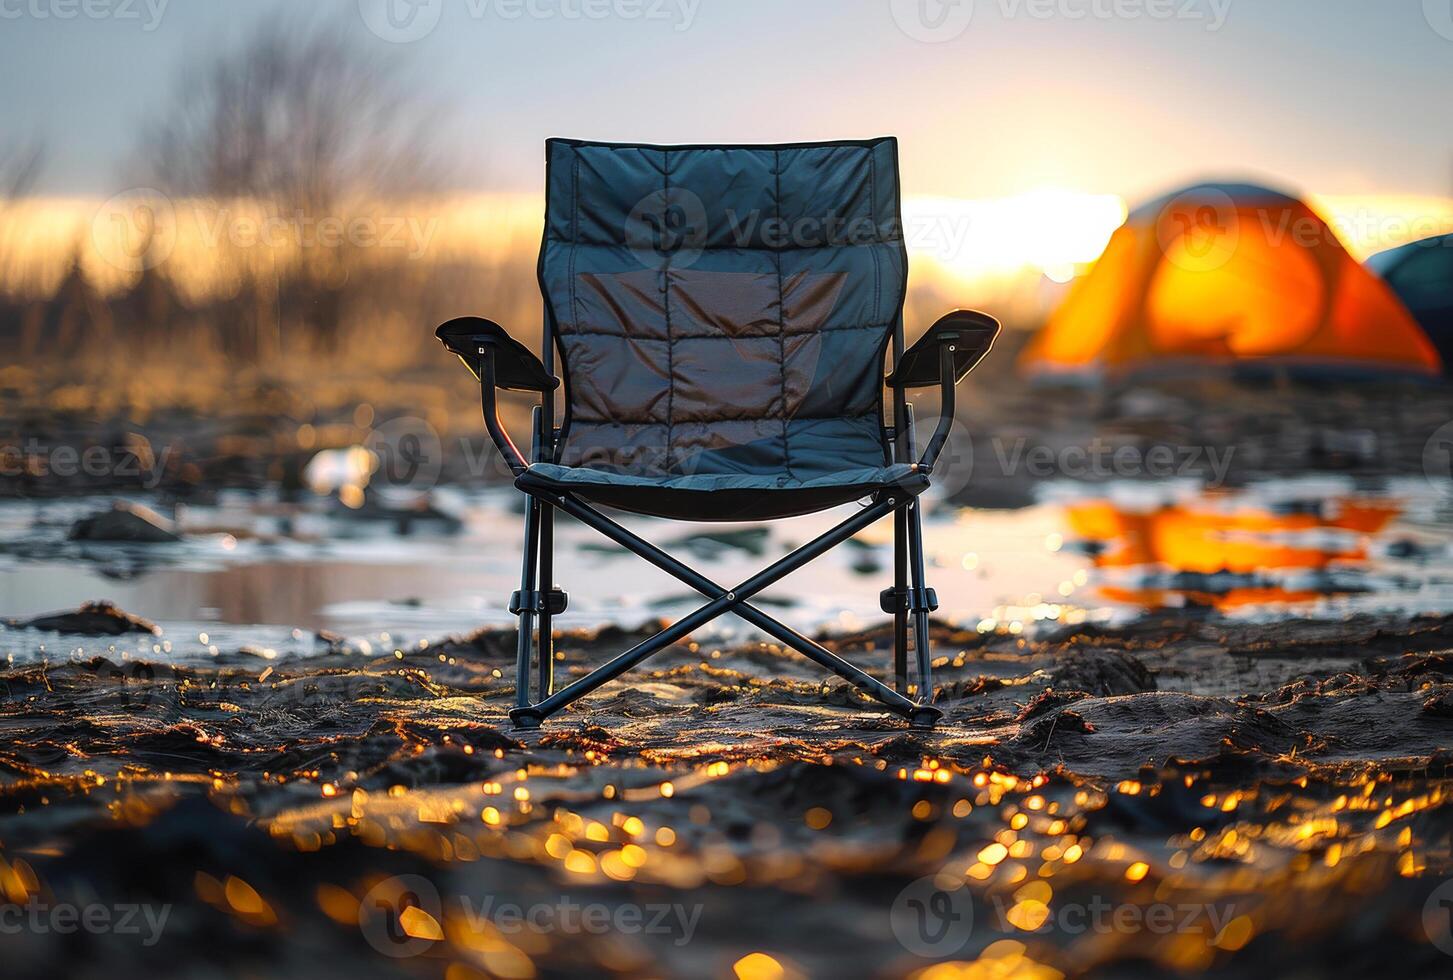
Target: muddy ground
point(1183, 796)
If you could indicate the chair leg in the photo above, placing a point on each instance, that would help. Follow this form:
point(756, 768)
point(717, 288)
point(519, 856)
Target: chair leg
point(900, 612)
point(523, 714)
point(529, 715)
point(546, 646)
point(785, 635)
point(724, 601)
point(922, 649)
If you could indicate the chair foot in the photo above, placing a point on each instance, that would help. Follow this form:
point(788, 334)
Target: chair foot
point(924, 717)
point(526, 718)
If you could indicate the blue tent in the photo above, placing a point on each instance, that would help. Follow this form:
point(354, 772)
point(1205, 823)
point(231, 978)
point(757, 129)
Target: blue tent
point(1421, 274)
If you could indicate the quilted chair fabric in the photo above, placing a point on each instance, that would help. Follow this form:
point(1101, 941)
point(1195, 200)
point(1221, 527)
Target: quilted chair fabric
point(721, 315)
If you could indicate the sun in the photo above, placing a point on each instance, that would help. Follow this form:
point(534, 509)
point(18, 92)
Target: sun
point(1051, 231)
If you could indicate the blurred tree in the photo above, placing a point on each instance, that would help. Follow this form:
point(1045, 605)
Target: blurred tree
point(301, 125)
point(20, 164)
point(301, 117)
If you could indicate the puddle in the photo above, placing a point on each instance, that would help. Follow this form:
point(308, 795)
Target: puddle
point(257, 572)
point(1315, 547)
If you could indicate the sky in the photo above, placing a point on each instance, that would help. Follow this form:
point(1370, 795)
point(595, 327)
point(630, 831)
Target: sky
point(990, 98)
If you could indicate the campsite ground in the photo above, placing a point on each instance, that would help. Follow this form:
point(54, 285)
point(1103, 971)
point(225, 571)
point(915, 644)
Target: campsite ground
point(1159, 765)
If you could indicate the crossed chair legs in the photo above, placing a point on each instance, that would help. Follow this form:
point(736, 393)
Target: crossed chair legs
point(905, 601)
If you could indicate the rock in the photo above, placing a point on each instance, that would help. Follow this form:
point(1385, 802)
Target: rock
point(128, 523)
point(1103, 673)
point(332, 642)
point(1065, 722)
point(1118, 734)
point(1050, 701)
point(92, 619)
point(422, 513)
point(1439, 705)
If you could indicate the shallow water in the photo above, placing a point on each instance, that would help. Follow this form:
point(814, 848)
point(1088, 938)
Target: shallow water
point(254, 572)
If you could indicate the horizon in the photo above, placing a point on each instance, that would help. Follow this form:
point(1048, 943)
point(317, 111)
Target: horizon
point(1018, 250)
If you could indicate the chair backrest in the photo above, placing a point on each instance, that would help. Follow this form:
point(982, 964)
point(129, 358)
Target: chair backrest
point(723, 309)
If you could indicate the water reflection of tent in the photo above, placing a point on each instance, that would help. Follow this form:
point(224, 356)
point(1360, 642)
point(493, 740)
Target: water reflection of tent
point(1233, 274)
point(1193, 542)
point(1422, 276)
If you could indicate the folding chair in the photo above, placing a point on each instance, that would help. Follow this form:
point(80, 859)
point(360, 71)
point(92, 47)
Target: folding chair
point(721, 315)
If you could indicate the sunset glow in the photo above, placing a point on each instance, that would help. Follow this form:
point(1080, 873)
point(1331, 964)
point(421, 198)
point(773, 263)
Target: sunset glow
point(1008, 243)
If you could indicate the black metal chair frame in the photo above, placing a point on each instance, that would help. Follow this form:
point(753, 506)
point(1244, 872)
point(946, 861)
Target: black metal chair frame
point(943, 356)
point(946, 353)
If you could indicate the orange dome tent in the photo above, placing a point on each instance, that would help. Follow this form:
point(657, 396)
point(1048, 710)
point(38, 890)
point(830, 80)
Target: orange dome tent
point(1228, 273)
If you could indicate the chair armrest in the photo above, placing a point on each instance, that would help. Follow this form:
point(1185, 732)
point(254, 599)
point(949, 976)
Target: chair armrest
point(496, 360)
point(943, 356)
point(515, 365)
point(969, 335)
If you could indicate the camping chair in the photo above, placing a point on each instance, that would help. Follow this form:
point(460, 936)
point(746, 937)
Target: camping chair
point(721, 315)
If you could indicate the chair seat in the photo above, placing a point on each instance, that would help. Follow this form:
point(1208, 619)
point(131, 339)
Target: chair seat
point(725, 496)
